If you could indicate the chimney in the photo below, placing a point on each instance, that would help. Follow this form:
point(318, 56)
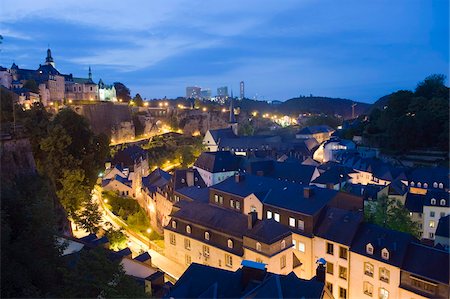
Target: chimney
point(238, 177)
point(252, 271)
point(307, 192)
point(190, 177)
point(320, 270)
point(251, 219)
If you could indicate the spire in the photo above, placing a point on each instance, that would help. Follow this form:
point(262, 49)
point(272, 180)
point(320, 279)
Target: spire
point(49, 59)
point(232, 117)
point(90, 73)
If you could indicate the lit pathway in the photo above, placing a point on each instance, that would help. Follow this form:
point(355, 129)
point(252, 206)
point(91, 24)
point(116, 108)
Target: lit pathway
point(137, 243)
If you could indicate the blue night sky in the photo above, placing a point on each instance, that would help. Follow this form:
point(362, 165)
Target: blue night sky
point(353, 49)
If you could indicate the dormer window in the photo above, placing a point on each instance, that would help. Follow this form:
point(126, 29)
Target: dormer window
point(412, 184)
point(174, 224)
point(435, 185)
point(206, 235)
point(283, 244)
point(258, 246)
point(230, 243)
point(441, 186)
point(369, 248)
point(385, 254)
point(419, 185)
point(425, 185)
point(442, 202)
point(188, 229)
point(433, 201)
point(182, 181)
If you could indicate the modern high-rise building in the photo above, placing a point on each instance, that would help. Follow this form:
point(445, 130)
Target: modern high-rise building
point(222, 92)
point(193, 92)
point(241, 89)
point(205, 94)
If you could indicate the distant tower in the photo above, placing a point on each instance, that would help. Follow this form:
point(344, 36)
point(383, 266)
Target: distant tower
point(49, 59)
point(233, 123)
point(90, 73)
point(353, 110)
point(241, 89)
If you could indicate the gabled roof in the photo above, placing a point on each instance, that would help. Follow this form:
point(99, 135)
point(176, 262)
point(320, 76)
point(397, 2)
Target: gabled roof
point(427, 262)
point(218, 134)
point(157, 178)
point(443, 227)
point(290, 171)
point(268, 231)
point(220, 161)
point(335, 175)
point(396, 187)
point(195, 193)
point(315, 130)
point(394, 241)
point(438, 195)
point(122, 180)
point(179, 178)
point(339, 225)
point(430, 175)
point(249, 142)
point(311, 162)
point(143, 257)
point(414, 202)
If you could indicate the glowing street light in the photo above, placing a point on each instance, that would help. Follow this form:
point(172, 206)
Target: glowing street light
point(146, 104)
point(149, 230)
point(224, 110)
point(166, 104)
point(204, 109)
point(160, 104)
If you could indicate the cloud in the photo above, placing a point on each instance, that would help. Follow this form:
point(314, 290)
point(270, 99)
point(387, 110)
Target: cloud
point(10, 33)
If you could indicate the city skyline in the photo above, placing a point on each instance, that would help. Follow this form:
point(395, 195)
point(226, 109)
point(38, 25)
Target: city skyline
point(279, 52)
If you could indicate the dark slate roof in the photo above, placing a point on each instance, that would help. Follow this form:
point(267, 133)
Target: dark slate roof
point(396, 187)
point(249, 142)
point(157, 178)
point(89, 238)
point(268, 231)
point(123, 180)
point(124, 252)
point(443, 227)
point(315, 129)
point(310, 161)
point(280, 193)
point(220, 161)
point(211, 216)
point(179, 178)
point(427, 262)
point(291, 171)
point(84, 81)
point(222, 133)
point(430, 175)
point(438, 195)
point(414, 202)
point(334, 175)
point(48, 69)
point(143, 257)
point(367, 191)
point(396, 243)
point(128, 156)
point(195, 193)
point(339, 225)
point(200, 281)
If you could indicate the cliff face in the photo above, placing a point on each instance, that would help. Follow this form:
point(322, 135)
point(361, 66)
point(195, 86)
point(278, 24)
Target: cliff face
point(202, 122)
point(16, 158)
point(103, 116)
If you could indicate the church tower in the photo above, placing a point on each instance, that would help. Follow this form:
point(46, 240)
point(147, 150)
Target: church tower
point(90, 73)
point(49, 59)
point(233, 123)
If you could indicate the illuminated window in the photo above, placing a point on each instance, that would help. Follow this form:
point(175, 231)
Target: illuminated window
point(188, 229)
point(342, 272)
point(369, 248)
point(441, 186)
point(301, 224)
point(238, 205)
point(291, 221)
point(385, 254)
point(276, 217)
point(174, 224)
point(419, 184)
point(368, 269)
point(384, 294)
point(301, 246)
point(412, 184)
point(368, 288)
point(206, 235)
point(425, 185)
point(232, 203)
point(283, 244)
point(432, 224)
point(435, 185)
point(384, 275)
point(433, 201)
point(442, 202)
point(258, 246)
point(269, 214)
point(228, 260)
point(230, 243)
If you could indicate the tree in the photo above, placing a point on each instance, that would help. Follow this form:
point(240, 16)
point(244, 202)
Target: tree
point(117, 239)
point(31, 85)
point(89, 218)
point(246, 129)
point(391, 213)
point(186, 155)
point(138, 101)
point(432, 86)
point(122, 92)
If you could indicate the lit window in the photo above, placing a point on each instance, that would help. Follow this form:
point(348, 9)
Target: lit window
point(291, 221)
point(419, 184)
point(369, 248)
point(294, 243)
point(368, 288)
point(432, 224)
point(433, 201)
point(174, 224)
point(301, 224)
point(221, 199)
point(412, 184)
point(228, 260)
point(442, 202)
point(330, 248)
point(384, 294)
point(258, 246)
point(188, 229)
point(384, 275)
point(276, 217)
point(342, 272)
point(269, 214)
point(441, 186)
point(238, 205)
point(301, 246)
point(206, 235)
point(435, 185)
point(330, 268)
point(230, 243)
point(425, 185)
point(368, 269)
point(283, 244)
point(187, 244)
point(283, 262)
point(216, 198)
point(232, 203)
